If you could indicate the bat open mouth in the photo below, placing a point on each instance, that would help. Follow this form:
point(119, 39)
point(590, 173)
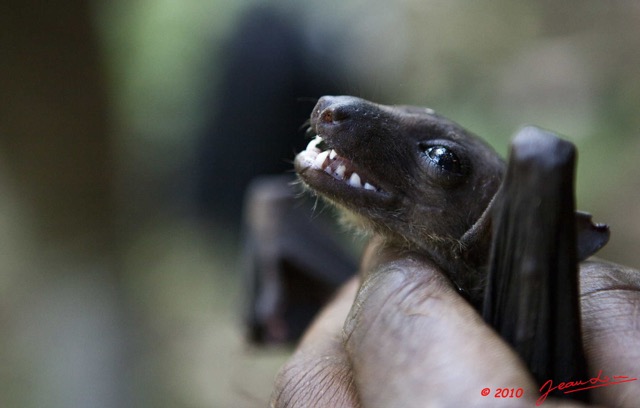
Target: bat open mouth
point(319, 156)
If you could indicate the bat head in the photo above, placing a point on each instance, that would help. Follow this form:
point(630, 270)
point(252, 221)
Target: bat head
point(405, 172)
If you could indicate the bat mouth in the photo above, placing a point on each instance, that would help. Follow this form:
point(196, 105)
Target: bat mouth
point(329, 172)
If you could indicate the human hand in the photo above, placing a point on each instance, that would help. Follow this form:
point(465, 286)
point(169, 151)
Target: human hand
point(404, 337)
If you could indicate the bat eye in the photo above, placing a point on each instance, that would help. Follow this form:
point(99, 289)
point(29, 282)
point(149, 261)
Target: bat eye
point(443, 163)
point(444, 159)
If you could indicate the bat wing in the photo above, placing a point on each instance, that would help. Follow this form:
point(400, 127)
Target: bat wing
point(532, 296)
point(292, 264)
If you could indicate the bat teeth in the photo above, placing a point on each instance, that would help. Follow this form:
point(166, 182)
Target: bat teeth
point(354, 180)
point(319, 162)
point(313, 145)
point(333, 164)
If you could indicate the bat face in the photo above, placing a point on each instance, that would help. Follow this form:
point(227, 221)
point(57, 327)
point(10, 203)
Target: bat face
point(406, 172)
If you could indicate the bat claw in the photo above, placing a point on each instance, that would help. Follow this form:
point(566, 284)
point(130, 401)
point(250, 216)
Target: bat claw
point(591, 237)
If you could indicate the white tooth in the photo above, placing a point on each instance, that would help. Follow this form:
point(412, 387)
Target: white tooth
point(368, 186)
point(354, 180)
point(319, 161)
point(312, 146)
point(306, 157)
point(340, 171)
point(333, 154)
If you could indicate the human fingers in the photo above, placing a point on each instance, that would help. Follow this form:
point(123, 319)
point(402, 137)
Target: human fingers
point(318, 373)
point(413, 341)
point(610, 300)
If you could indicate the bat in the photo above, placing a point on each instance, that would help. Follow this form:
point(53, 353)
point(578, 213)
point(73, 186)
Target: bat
point(423, 182)
point(292, 264)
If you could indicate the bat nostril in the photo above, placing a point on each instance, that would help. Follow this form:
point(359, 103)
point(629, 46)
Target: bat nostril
point(338, 109)
point(334, 114)
point(327, 115)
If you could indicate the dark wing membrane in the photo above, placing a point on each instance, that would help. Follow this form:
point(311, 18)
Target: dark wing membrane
point(532, 288)
point(292, 264)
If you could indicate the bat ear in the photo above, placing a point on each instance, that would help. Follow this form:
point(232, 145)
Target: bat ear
point(591, 237)
point(475, 243)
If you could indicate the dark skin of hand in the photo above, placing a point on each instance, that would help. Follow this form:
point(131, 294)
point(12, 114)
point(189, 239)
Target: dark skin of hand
point(400, 335)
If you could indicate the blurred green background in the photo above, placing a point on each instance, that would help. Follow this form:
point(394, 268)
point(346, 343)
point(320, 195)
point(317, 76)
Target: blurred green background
point(114, 293)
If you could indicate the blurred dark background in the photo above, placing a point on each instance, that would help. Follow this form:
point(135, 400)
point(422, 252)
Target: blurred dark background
point(128, 131)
